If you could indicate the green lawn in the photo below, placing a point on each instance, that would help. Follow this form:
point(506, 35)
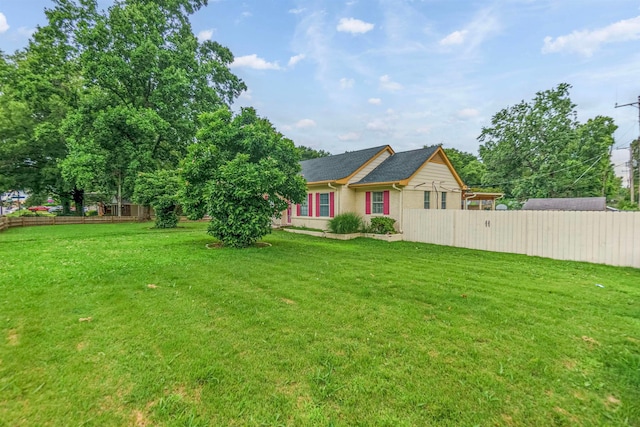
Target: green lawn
point(308, 331)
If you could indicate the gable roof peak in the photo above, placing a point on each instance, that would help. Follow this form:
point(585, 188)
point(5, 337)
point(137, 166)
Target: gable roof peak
point(339, 166)
point(400, 166)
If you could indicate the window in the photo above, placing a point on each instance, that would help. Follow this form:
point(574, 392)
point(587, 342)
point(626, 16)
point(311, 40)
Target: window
point(377, 202)
point(443, 200)
point(323, 206)
point(427, 199)
point(304, 208)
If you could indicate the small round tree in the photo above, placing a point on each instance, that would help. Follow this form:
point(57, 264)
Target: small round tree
point(160, 190)
point(242, 173)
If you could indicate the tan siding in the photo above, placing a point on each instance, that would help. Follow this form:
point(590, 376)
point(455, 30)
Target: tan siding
point(437, 178)
point(438, 159)
point(371, 166)
point(301, 221)
point(347, 200)
point(434, 175)
point(602, 237)
point(395, 207)
point(414, 199)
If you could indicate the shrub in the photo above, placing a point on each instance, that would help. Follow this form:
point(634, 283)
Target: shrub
point(160, 190)
point(346, 223)
point(626, 205)
point(28, 213)
point(91, 213)
point(21, 213)
point(382, 225)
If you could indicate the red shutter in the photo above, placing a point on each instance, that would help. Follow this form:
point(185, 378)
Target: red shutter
point(317, 204)
point(298, 209)
point(309, 202)
point(331, 204)
point(367, 203)
point(385, 202)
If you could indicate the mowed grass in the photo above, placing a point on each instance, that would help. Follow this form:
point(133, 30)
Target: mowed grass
point(308, 331)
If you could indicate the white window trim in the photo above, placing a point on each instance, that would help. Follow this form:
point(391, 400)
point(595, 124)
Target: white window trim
point(327, 205)
point(375, 203)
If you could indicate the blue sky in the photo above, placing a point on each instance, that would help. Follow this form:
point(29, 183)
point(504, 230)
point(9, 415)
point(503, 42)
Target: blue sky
point(344, 75)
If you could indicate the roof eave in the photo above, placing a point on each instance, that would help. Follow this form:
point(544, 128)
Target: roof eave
point(327, 181)
point(379, 184)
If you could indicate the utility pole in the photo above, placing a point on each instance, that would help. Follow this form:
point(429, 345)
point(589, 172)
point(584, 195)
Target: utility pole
point(631, 187)
point(631, 165)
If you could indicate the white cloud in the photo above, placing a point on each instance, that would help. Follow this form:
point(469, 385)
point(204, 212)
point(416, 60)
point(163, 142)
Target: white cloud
point(586, 42)
point(354, 26)
point(312, 38)
point(305, 123)
point(297, 11)
point(423, 130)
point(375, 101)
point(484, 25)
point(205, 35)
point(350, 136)
point(468, 113)
point(26, 32)
point(457, 37)
point(246, 14)
point(387, 84)
point(253, 61)
point(295, 59)
point(346, 83)
point(3, 23)
point(247, 94)
point(378, 125)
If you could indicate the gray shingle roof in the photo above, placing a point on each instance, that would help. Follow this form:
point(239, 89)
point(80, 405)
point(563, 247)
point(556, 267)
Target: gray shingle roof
point(336, 167)
point(567, 204)
point(399, 166)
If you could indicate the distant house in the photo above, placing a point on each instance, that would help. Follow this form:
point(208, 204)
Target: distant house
point(376, 182)
point(480, 201)
point(567, 204)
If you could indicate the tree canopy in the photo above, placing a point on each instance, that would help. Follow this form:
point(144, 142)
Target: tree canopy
point(307, 153)
point(147, 80)
point(470, 169)
point(242, 173)
point(39, 86)
point(100, 96)
point(539, 149)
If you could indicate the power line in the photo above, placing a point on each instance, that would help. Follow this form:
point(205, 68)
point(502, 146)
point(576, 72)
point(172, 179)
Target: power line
point(539, 175)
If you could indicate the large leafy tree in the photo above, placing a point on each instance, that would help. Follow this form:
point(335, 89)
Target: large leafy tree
point(38, 87)
point(470, 169)
point(539, 149)
point(146, 80)
point(308, 153)
point(242, 173)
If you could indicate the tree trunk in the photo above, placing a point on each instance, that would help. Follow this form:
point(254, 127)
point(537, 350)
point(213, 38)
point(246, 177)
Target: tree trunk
point(78, 200)
point(146, 213)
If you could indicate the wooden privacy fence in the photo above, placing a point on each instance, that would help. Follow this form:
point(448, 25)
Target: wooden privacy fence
point(7, 222)
point(600, 237)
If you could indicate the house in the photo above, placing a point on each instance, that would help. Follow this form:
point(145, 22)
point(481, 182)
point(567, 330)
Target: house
point(566, 204)
point(376, 182)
